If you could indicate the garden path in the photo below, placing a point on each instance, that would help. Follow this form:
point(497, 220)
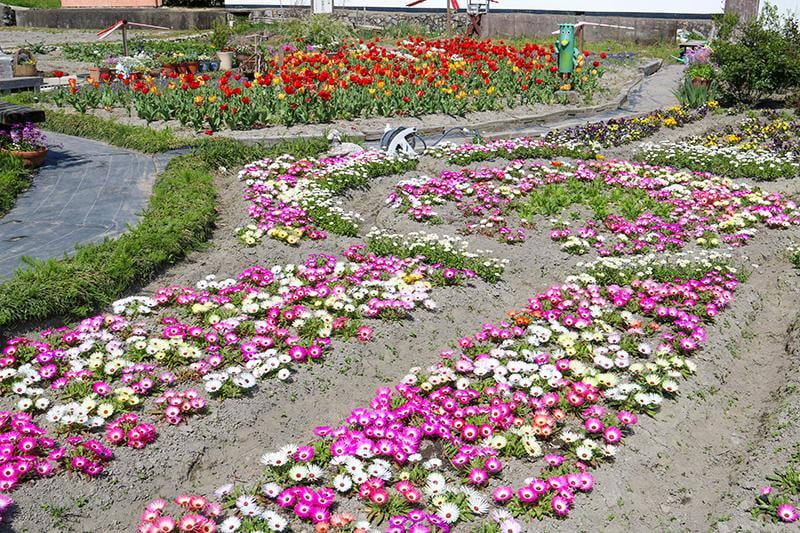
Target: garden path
point(653, 92)
point(86, 191)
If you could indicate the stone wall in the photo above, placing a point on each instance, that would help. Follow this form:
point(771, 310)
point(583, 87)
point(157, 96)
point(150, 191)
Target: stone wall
point(498, 24)
point(430, 21)
point(95, 18)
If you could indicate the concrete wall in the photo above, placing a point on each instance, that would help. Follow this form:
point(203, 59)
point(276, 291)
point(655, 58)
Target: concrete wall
point(98, 18)
point(648, 29)
point(645, 29)
point(110, 3)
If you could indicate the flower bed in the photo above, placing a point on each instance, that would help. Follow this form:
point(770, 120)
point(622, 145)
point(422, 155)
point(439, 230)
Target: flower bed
point(583, 142)
point(756, 148)
point(222, 335)
point(616, 132)
point(291, 199)
point(452, 76)
point(558, 385)
point(638, 208)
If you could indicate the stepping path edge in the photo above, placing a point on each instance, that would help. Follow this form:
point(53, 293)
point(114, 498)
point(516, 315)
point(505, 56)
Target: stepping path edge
point(87, 191)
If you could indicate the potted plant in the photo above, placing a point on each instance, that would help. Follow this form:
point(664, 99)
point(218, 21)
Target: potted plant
point(24, 64)
point(220, 37)
point(700, 71)
point(192, 62)
point(26, 142)
point(102, 71)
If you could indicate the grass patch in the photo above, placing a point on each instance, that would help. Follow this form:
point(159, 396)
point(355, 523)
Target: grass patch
point(179, 219)
point(13, 180)
point(140, 138)
point(34, 4)
point(552, 199)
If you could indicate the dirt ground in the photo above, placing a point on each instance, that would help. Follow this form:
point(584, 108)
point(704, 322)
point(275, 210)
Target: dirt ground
point(694, 467)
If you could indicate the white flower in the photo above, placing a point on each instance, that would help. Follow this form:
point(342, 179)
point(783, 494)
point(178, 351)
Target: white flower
point(342, 483)
point(230, 524)
point(449, 513)
point(271, 490)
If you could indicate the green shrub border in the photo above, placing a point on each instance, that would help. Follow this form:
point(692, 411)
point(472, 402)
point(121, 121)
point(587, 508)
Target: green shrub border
point(179, 218)
point(13, 180)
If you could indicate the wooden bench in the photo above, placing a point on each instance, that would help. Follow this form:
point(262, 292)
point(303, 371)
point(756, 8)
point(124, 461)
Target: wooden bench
point(15, 114)
point(21, 83)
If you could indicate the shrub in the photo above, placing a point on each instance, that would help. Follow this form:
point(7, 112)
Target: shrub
point(220, 34)
point(319, 30)
point(758, 58)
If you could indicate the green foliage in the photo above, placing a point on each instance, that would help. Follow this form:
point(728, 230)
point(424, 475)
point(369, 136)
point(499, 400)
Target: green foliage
point(700, 70)
point(34, 4)
point(13, 180)
point(694, 96)
point(139, 138)
point(758, 58)
point(98, 51)
point(225, 152)
point(603, 200)
point(220, 34)
point(319, 30)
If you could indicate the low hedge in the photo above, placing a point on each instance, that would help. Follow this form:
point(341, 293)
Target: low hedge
point(179, 219)
point(13, 180)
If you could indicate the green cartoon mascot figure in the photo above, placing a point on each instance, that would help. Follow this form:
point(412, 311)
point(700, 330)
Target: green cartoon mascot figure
point(568, 55)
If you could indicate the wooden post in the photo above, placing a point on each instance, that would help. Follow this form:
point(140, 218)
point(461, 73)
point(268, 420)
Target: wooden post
point(125, 38)
point(449, 20)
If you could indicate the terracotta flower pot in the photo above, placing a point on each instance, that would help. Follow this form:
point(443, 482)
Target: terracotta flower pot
point(193, 66)
point(98, 73)
point(30, 159)
point(167, 69)
point(699, 82)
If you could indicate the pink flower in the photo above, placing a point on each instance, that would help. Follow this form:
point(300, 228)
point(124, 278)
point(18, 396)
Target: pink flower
point(787, 513)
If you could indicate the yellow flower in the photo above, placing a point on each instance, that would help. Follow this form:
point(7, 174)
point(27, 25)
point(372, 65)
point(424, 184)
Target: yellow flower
point(490, 90)
point(372, 90)
point(282, 96)
point(212, 98)
point(198, 99)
